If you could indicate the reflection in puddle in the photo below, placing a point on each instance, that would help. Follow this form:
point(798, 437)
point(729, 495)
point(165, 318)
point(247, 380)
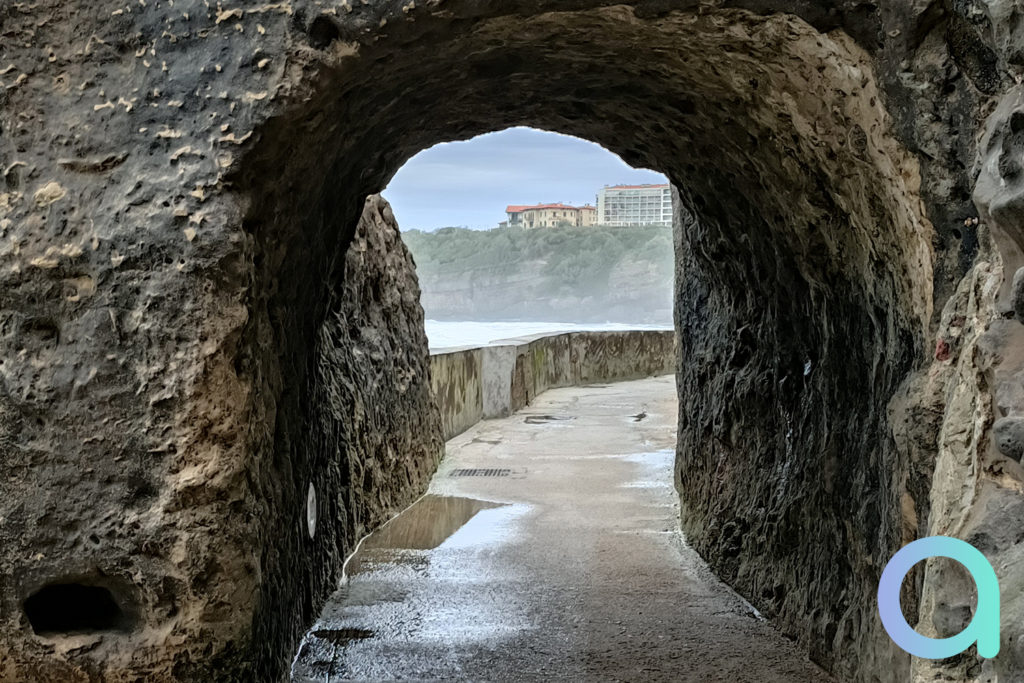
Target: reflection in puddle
point(423, 526)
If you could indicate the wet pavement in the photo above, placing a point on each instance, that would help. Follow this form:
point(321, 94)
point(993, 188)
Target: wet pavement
point(548, 548)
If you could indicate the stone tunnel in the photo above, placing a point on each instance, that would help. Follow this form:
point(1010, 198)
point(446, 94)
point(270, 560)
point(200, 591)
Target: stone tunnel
point(213, 371)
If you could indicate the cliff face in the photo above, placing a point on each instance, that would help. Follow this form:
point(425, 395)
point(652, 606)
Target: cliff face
point(633, 292)
point(182, 187)
point(592, 274)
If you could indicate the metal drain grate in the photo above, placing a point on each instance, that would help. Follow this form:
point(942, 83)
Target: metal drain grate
point(544, 419)
point(481, 472)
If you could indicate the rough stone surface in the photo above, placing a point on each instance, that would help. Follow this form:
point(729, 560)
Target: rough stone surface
point(1018, 293)
point(181, 184)
point(203, 558)
point(1009, 436)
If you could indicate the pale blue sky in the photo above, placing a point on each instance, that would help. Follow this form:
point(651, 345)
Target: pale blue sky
point(470, 183)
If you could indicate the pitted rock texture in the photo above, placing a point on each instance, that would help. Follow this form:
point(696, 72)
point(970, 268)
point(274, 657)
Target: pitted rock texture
point(366, 430)
point(181, 187)
point(214, 604)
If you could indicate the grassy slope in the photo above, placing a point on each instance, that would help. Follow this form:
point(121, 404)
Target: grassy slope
point(558, 273)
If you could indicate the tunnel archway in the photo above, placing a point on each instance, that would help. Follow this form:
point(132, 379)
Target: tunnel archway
point(805, 277)
point(466, 211)
point(812, 289)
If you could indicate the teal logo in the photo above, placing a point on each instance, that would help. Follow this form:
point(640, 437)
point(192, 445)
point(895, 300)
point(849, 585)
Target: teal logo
point(984, 627)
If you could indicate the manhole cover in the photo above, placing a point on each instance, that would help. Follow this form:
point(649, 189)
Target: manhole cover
point(341, 636)
point(481, 472)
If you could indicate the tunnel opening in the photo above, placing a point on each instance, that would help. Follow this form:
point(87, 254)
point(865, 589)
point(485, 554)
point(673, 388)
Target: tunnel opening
point(64, 609)
point(522, 232)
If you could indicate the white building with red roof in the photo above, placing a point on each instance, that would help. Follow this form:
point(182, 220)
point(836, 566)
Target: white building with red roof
point(550, 215)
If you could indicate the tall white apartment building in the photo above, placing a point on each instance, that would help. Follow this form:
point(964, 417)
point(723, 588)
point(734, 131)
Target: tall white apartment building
point(635, 205)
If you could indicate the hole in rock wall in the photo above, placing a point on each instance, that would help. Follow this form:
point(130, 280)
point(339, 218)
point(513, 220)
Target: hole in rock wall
point(70, 608)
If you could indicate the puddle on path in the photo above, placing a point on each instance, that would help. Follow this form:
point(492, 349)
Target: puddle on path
point(423, 526)
point(657, 470)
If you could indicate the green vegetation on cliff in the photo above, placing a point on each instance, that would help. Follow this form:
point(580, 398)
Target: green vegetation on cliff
point(595, 273)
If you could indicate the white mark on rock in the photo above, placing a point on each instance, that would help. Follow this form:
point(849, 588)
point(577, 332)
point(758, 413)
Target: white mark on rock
point(48, 194)
point(311, 511)
point(224, 15)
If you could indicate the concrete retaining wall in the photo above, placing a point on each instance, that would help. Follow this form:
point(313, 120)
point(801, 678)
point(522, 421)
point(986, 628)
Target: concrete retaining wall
point(457, 377)
point(471, 384)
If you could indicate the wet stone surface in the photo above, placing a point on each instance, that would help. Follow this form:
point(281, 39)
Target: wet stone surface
point(574, 569)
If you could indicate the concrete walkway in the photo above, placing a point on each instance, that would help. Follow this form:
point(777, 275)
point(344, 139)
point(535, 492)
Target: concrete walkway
point(548, 549)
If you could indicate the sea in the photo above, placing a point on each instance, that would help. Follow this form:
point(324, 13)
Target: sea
point(447, 334)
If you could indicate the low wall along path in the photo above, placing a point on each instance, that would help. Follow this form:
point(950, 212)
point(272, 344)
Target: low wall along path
point(492, 381)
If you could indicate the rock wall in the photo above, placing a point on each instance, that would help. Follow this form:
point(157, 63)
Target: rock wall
point(495, 381)
point(190, 570)
point(181, 186)
point(917, 425)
